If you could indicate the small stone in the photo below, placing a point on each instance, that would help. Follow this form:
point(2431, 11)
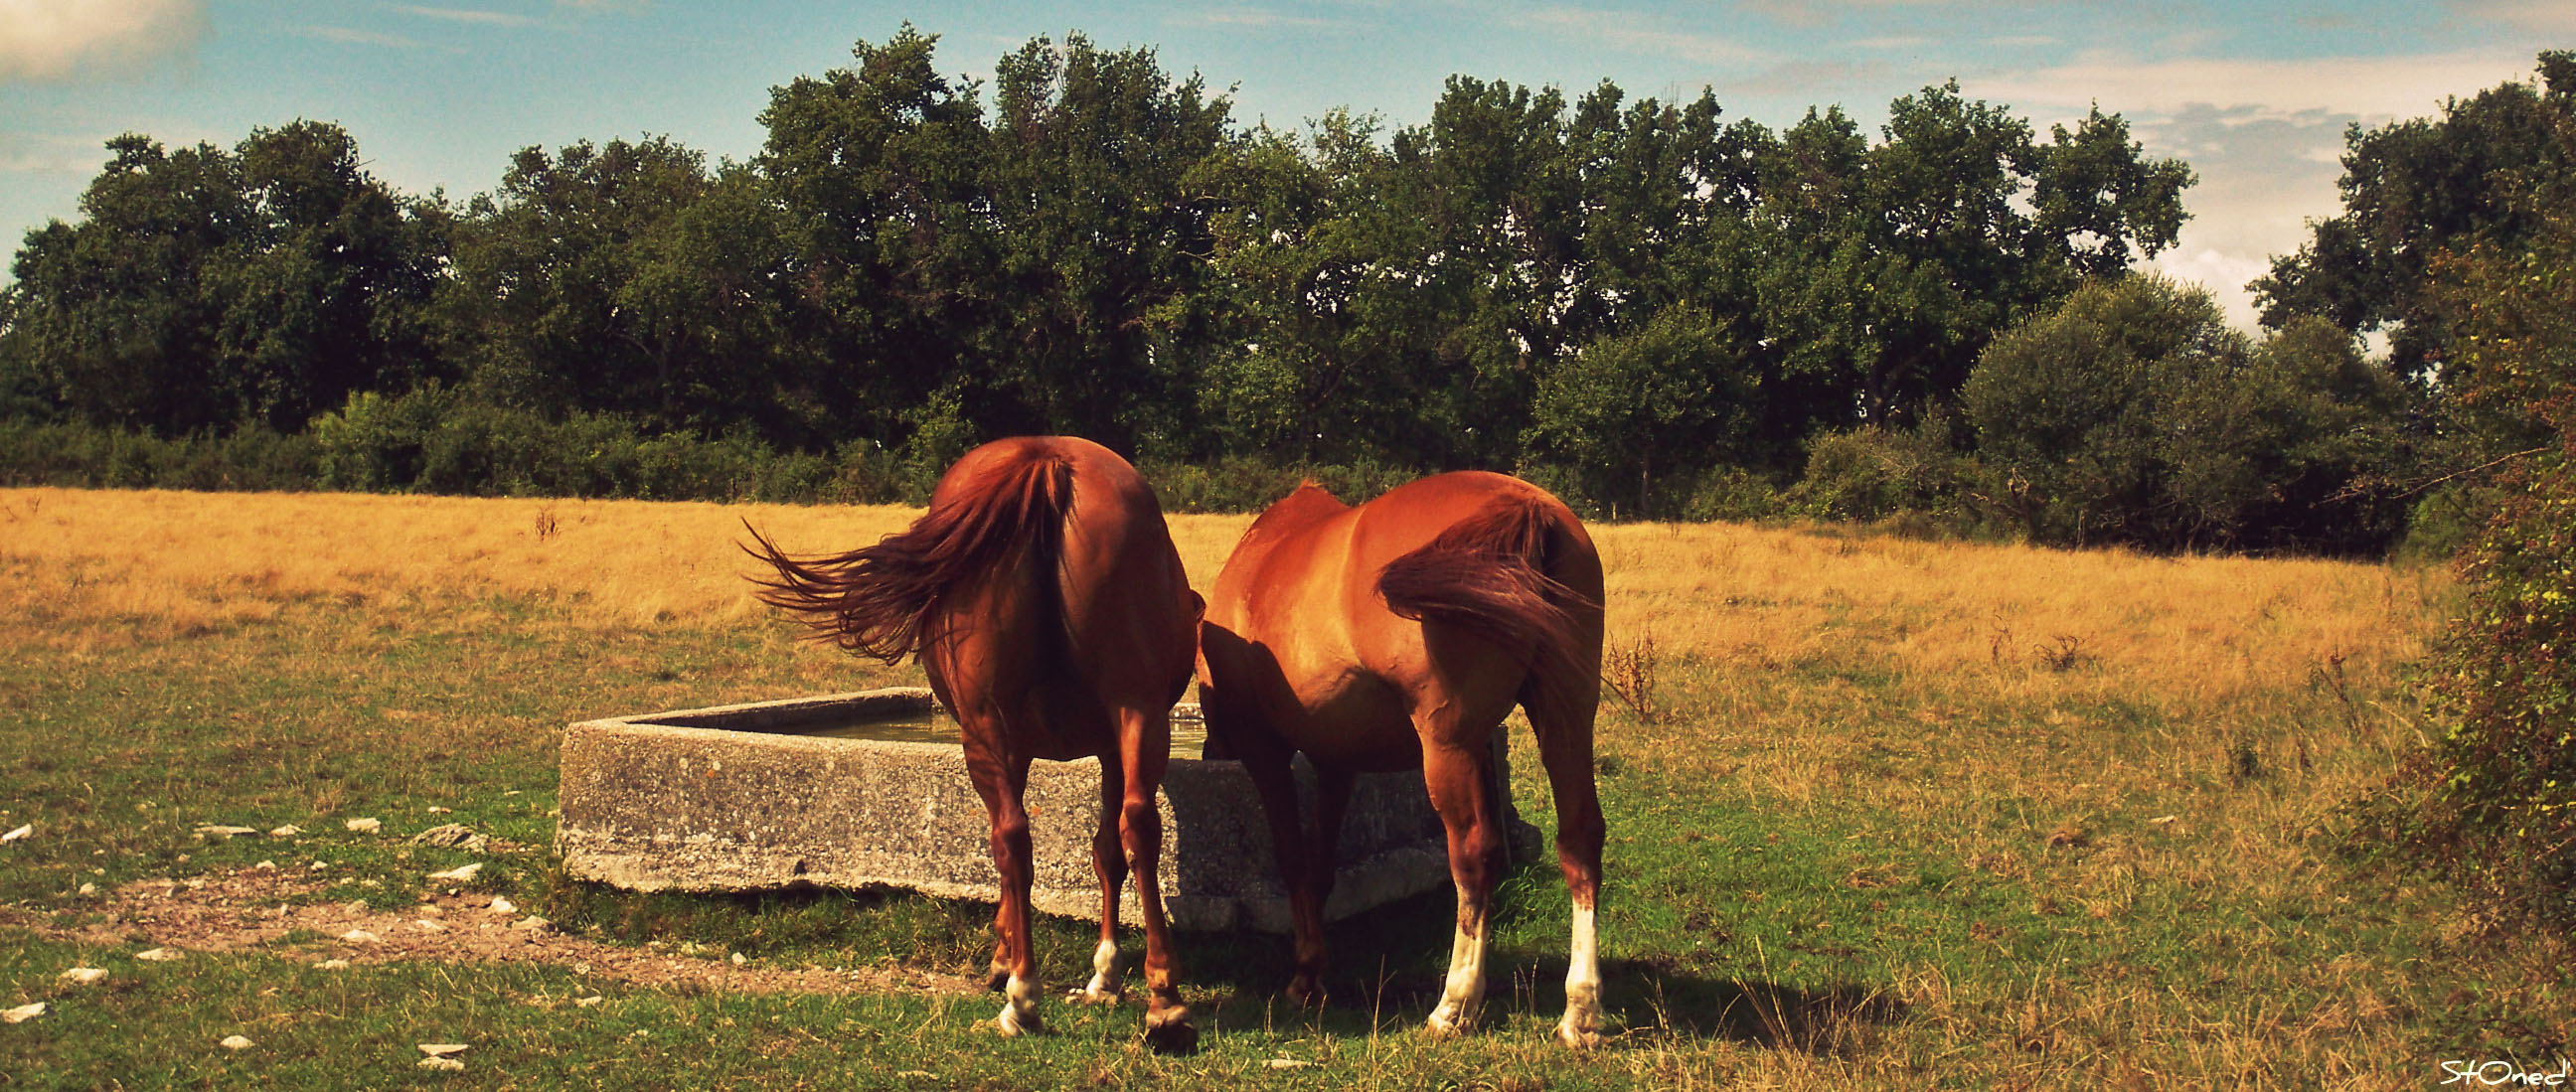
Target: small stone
point(158, 955)
point(2163, 819)
point(503, 906)
point(586, 1002)
point(441, 1050)
point(288, 831)
point(533, 924)
point(359, 936)
point(89, 890)
point(460, 874)
point(215, 832)
point(1287, 1063)
point(364, 826)
point(22, 1013)
point(20, 834)
point(436, 810)
point(452, 835)
point(266, 866)
point(428, 926)
point(445, 1064)
point(235, 1042)
point(332, 965)
point(84, 976)
point(738, 959)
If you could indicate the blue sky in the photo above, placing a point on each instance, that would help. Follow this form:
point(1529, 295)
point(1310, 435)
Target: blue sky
point(438, 93)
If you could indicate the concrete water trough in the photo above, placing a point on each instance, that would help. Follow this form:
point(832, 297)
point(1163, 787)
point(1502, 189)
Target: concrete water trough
point(850, 790)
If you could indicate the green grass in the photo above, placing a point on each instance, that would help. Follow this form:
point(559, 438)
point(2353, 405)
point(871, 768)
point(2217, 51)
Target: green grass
point(1822, 874)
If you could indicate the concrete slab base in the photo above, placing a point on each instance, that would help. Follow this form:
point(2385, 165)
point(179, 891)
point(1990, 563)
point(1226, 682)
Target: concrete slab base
point(732, 799)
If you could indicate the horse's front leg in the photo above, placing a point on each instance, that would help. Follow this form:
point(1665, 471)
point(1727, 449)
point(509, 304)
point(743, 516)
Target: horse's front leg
point(1266, 761)
point(1145, 743)
point(1002, 780)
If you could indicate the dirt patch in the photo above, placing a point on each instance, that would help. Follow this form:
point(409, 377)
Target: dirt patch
point(252, 908)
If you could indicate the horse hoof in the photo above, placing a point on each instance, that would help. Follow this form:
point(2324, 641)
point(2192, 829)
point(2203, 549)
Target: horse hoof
point(1575, 1038)
point(1087, 996)
point(1306, 993)
point(1170, 1032)
point(1444, 1026)
point(1013, 1023)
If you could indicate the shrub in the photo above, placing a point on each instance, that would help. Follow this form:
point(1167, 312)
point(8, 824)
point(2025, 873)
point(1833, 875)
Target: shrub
point(2496, 800)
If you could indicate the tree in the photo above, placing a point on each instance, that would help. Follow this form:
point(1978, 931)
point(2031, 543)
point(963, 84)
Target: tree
point(2487, 171)
point(624, 278)
point(1628, 406)
point(207, 289)
point(1101, 227)
point(879, 171)
point(1889, 267)
point(2132, 413)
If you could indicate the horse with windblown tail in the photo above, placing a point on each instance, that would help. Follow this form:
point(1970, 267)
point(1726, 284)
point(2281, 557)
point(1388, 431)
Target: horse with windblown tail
point(1044, 599)
point(1398, 634)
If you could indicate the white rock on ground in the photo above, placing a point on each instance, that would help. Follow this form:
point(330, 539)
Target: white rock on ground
point(19, 834)
point(503, 906)
point(364, 826)
point(333, 965)
point(218, 832)
point(533, 924)
point(288, 831)
point(22, 1013)
point(158, 955)
point(359, 936)
point(235, 1042)
point(460, 873)
point(84, 976)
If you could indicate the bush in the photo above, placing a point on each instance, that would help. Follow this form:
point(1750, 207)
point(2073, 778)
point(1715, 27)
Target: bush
point(2495, 801)
point(86, 456)
point(2133, 414)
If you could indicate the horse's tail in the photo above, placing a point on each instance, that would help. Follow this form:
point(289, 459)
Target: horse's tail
point(1490, 573)
point(879, 599)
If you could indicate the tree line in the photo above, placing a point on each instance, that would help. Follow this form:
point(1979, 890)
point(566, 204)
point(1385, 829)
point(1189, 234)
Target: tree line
point(1646, 305)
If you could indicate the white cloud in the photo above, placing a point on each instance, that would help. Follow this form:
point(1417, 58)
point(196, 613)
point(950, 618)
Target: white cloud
point(2553, 17)
point(1255, 18)
point(475, 16)
point(60, 39)
point(2372, 88)
point(353, 36)
point(1637, 33)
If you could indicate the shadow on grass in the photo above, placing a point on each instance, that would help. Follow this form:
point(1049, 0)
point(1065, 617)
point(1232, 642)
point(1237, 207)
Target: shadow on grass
point(1836, 1019)
point(1386, 972)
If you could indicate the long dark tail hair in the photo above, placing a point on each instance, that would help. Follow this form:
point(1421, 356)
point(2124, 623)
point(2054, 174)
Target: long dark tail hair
point(1488, 573)
point(879, 599)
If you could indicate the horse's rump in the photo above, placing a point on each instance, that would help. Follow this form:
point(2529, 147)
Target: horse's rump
point(879, 599)
point(1489, 573)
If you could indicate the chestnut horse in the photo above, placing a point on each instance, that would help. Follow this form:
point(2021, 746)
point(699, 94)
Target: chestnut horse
point(1398, 634)
point(1044, 599)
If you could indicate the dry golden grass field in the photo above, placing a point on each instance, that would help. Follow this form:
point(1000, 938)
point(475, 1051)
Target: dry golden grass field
point(1909, 813)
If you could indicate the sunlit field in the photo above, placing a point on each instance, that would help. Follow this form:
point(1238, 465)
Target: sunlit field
point(1882, 811)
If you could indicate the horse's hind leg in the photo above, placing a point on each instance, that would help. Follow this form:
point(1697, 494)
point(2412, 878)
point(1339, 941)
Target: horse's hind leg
point(1454, 770)
point(1144, 737)
point(1109, 861)
point(1561, 717)
point(1002, 780)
